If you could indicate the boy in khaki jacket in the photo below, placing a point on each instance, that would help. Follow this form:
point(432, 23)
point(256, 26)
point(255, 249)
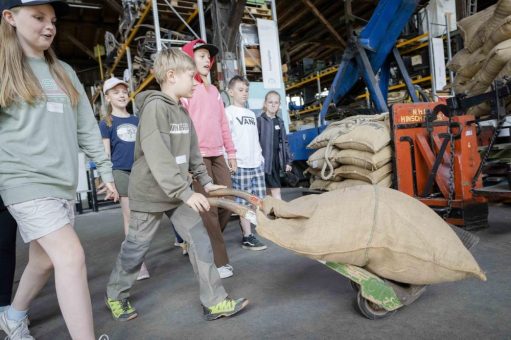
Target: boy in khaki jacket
point(166, 150)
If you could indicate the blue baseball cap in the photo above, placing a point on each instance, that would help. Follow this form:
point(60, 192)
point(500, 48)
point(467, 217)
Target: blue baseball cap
point(61, 7)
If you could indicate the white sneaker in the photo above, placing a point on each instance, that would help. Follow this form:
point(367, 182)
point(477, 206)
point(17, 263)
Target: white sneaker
point(183, 245)
point(15, 330)
point(143, 274)
point(225, 271)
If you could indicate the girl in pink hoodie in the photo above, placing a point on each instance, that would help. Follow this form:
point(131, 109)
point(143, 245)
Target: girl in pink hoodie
point(207, 112)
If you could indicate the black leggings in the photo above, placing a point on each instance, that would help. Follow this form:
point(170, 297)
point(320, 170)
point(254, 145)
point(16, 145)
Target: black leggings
point(7, 255)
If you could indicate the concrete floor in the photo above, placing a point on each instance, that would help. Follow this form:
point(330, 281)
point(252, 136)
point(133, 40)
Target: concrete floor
point(291, 296)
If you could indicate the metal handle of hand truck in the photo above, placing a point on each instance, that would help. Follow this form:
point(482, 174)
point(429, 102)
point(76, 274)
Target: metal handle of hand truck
point(252, 199)
point(241, 210)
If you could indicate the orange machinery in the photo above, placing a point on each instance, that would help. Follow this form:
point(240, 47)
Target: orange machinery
point(426, 167)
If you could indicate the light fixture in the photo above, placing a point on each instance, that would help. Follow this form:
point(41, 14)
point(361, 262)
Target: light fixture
point(79, 4)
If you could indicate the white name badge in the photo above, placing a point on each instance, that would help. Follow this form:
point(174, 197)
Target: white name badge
point(181, 159)
point(277, 127)
point(55, 107)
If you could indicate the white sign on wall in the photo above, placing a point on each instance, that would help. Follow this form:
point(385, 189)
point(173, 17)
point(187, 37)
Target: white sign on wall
point(436, 11)
point(439, 60)
point(270, 53)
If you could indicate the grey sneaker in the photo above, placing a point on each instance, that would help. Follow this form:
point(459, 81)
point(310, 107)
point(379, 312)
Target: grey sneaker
point(15, 330)
point(252, 243)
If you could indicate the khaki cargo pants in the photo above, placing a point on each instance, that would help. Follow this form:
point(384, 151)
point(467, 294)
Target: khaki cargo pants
point(142, 228)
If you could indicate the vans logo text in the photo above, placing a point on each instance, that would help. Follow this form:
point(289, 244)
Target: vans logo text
point(179, 129)
point(246, 120)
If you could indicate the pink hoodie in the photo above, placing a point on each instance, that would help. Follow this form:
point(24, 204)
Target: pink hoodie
point(207, 111)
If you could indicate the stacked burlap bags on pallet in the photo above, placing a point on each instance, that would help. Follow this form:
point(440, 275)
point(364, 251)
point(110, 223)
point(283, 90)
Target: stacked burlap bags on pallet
point(353, 151)
point(487, 52)
point(383, 230)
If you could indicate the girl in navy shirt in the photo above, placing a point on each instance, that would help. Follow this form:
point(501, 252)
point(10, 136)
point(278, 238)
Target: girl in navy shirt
point(119, 132)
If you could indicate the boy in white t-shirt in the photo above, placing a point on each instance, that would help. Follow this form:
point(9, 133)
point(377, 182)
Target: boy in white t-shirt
point(249, 176)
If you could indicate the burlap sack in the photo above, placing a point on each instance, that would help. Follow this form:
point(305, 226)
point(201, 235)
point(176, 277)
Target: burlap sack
point(505, 72)
point(336, 129)
point(497, 59)
point(317, 159)
point(331, 132)
point(462, 84)
point(459, 60)
point(355, 172)
point(365, 136)
point(469, 26)
point(386, 183)
point(499, 35)
point(319, 184)
point(473, 64)
point(364, 159)
point(382, 230)
point(313, 172)
point(480, 110)
point(502, 11)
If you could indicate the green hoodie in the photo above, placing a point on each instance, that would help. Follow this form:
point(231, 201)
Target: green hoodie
point(39, 143)
point(166, 150)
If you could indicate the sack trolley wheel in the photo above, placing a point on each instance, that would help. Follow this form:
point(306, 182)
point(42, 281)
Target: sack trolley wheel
point(371, 310)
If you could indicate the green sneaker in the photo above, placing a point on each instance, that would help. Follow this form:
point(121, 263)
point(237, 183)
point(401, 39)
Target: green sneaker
point(226, 307)
point(121, 309)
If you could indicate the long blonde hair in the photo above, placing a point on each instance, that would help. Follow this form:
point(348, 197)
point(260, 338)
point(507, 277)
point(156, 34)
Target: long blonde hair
point(107, 117)
point(17, 81)
point(265, 109)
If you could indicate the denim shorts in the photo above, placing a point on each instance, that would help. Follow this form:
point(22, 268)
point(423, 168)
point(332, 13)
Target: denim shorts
point(42, 216)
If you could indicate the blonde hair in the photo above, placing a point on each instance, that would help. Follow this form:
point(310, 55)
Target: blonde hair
point(266, 98)
point(107, 117)
point(17, 81)
point(171, 59)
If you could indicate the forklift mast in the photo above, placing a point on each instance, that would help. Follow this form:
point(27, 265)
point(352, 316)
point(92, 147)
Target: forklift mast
point(365, 56)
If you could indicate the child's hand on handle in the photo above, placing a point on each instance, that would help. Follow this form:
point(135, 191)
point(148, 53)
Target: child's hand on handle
point(111, 192)
point(198, 202)
point(288, 168)
point(232, 164)
point(212, 187)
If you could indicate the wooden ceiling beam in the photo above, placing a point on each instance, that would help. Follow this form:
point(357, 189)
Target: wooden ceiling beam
point(115, 6)
point(80, 45)
point(306, 52)
point(325, 22)
point(296, 17)
point(289, 12)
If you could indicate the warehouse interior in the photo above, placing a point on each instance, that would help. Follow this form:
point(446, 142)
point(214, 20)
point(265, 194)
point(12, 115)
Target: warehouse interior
point(432, 78)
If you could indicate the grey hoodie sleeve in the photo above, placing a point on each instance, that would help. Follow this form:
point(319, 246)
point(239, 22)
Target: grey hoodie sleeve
point(197, 167)
point(154, 138)
point(89, 137)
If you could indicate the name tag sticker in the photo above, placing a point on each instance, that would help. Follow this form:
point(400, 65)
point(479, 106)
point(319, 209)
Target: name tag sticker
point(181, 159)
point(55, 107)
point(277, 127)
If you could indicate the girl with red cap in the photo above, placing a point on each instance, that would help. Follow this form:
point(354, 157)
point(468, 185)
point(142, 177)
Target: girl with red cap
point(207, 111)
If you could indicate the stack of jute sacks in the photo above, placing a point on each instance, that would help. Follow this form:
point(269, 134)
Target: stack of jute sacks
point(353, 151)
point(487, 52)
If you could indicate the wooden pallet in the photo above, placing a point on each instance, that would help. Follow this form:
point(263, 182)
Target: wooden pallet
point(260, 4)
point(258, 11)
point(183, 4)
point(247, 19)
point(255, 69)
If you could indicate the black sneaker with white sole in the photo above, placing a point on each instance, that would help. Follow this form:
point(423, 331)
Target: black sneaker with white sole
point(252, 243)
